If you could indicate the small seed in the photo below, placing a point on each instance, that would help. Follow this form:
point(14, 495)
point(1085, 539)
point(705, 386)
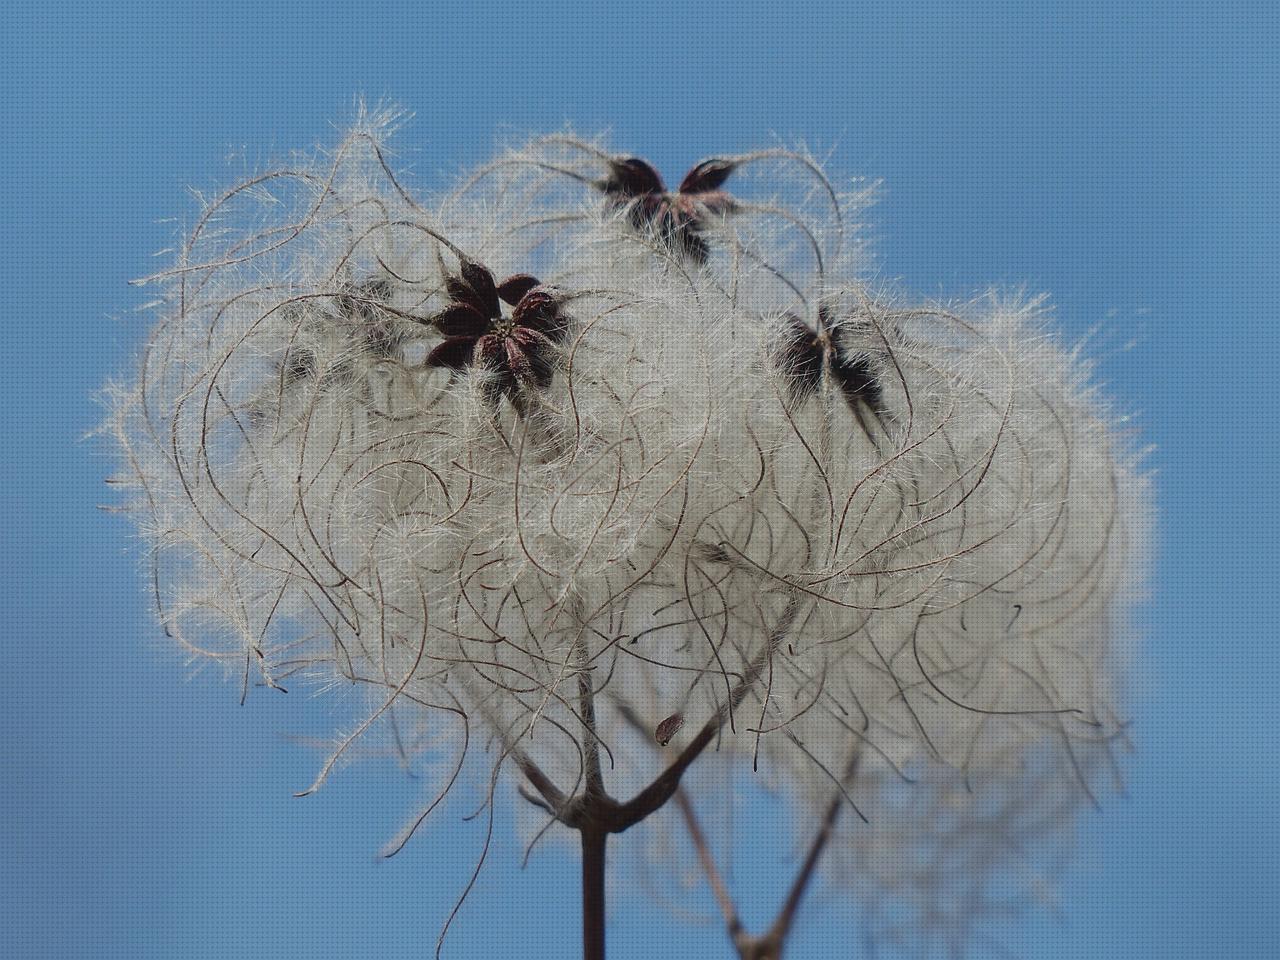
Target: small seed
point(668, 728)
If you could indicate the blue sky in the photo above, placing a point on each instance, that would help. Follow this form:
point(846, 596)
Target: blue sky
point(1123, 159)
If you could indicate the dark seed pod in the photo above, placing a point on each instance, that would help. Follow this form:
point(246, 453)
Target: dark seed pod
point(802, 354)
point(631, 177)
point(857, 380)
point(798, 354)
point(518, 349)
point(707, 175)
point(668, 728)
point(675, 218)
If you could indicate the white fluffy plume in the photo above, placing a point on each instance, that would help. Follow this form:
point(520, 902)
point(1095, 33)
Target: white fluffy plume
point(711, 476)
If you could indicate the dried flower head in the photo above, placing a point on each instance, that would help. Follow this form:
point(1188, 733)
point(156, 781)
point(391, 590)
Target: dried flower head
point(675, 218)
point(896, 537)
point(520, 349)
point(809, 359)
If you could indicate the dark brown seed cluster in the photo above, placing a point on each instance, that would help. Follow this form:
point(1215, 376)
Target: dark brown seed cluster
point(520, 349)
point(804, 355)
point(676, 218)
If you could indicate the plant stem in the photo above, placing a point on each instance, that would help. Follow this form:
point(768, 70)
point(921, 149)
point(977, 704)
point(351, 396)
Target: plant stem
point(727, 907)
point(593, 915)
point(595, 815)
point(767, 946)
point(771, 943)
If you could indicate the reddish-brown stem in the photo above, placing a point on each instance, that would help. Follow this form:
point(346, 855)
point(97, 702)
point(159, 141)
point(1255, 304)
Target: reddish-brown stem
point(653, 797)
point(727, 907)
point(786, 916)
point(557, 802)
point(767, 946)
point(595, 815)
point(593, 777)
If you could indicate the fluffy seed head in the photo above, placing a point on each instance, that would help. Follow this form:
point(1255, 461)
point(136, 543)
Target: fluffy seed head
point(656, 475)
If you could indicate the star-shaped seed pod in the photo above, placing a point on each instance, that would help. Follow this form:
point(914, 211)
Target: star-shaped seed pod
point(519, 348)
point(677, 218)
point(804, 355)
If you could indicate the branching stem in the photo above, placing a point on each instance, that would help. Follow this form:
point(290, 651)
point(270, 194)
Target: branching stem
point(769, 945)
point(595, 815)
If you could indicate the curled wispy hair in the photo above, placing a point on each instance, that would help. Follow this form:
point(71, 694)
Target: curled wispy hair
point(683, 478)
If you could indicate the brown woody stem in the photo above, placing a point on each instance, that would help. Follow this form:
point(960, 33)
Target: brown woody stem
point(595, 815)
point(767, 946)
point(593, 907)
point(728, 908)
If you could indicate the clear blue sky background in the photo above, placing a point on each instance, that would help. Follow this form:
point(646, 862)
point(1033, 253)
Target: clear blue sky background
point(1122, 156)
